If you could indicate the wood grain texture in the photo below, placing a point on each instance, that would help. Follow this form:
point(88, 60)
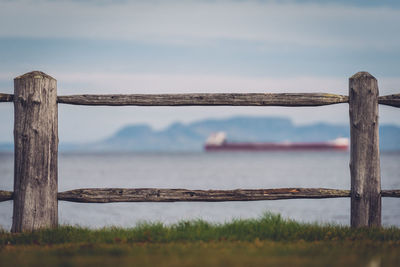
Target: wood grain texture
point(390, 100)
point(5, 195)
point(90, 195)
point(228, 99)
point(35, 156)
point(390, 193)
point(6, 97)
point(364, 151)
point(106, 195)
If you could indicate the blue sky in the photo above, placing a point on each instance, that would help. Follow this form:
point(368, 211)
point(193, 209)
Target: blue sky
point(196, 46)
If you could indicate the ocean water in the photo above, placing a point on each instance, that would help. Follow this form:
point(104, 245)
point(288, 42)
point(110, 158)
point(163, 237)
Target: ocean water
point(207, 171)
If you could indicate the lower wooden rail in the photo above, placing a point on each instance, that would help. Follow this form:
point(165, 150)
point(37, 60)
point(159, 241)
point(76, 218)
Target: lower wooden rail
point(107, 195)
point(100, 195)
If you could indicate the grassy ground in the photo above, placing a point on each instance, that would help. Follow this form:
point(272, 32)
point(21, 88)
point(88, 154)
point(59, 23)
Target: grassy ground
point(269, 240)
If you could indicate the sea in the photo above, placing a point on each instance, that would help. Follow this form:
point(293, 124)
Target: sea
point(202, 170)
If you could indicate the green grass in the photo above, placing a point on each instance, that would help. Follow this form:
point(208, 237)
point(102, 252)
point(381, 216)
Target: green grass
point(268, 240)
point(269, 227)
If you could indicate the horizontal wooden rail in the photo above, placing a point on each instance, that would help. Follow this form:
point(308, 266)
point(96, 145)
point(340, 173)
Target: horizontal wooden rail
point(106, 195)
point(390, 100)
point(249, 99)
point(390, 193)
point(222, 99)
point(5, 195)
point(6, 97)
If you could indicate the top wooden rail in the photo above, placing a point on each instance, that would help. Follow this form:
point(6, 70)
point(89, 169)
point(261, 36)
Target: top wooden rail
point(220, 99)
point(390, 100)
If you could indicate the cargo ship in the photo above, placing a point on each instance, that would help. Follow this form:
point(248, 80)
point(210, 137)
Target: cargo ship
point(217, 142)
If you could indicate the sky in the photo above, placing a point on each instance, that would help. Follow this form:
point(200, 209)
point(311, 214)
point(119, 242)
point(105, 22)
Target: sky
point(123, 46)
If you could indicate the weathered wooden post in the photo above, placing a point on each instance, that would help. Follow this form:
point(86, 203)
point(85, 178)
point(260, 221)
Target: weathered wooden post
point(36, 149)
point(364, 151)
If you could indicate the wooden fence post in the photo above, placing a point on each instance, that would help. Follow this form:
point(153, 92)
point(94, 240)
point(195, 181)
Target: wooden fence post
point(36, 149)
point(364, 151)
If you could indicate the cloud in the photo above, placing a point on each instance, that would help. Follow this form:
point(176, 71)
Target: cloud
point(105, 82)
point(200, 22)
point(161, 83)
point(184, 83)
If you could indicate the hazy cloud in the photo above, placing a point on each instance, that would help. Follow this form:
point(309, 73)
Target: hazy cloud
point(196, 23)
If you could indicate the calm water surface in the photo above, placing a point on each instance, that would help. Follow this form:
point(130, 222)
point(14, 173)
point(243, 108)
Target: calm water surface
point(207, 171)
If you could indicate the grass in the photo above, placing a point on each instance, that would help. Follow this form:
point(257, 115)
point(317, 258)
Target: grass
point(268, 227)
point(268, 240)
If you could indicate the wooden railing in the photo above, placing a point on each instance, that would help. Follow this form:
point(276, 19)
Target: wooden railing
point(36, 193)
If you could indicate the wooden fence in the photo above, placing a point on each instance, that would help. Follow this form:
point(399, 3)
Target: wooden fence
point(36, 193)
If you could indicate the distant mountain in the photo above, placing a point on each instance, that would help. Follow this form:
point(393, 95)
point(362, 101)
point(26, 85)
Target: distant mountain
point(191, 137)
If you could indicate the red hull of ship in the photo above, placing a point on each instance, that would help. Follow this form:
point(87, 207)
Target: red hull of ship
point(275, 147)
